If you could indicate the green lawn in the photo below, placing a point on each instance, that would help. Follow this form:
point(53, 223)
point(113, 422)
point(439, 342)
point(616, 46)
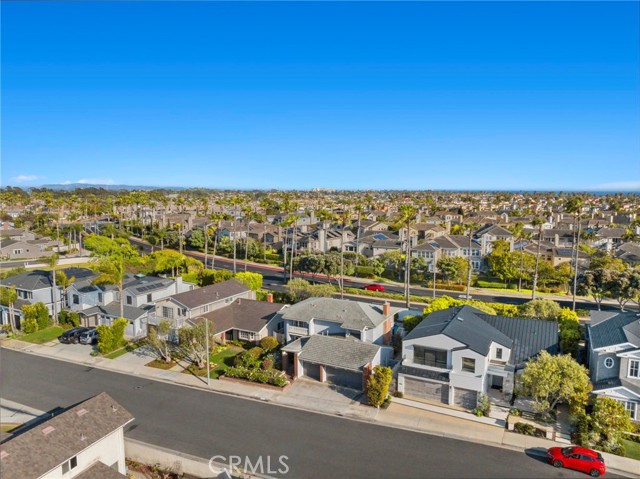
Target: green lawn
point(127, 349)
point(631, 449)
point(42, 336)
point(222, 360)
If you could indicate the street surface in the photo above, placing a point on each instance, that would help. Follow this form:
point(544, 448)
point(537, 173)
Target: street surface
point(205, 424)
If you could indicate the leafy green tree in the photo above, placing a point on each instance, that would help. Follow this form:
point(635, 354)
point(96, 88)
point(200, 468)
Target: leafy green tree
point(603, 260)
point(596, 283)
point(540, 309)
point(64, 282)
point(29, 325)
point(196, 239)
point(452, 268)
point(193, 341)
point(378, 385)
point(502, 262)
point(37, 311)
point(167, 261)
point(253, 281)
point(269, 343)
point(409, 322)
point(550, 380)
point(609, 421)
point(158, 340)
point(111, 337)
point(624, 286)
point(69, 317)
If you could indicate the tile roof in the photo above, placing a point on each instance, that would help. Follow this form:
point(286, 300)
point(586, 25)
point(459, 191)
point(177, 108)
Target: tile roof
point(611, 331)
point(210, 294)
point(48, 444)
point(353, 315)
point(244, 314)
point(343, 353)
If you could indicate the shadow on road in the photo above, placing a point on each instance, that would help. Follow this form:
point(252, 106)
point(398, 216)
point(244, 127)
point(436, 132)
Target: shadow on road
point(537, 453)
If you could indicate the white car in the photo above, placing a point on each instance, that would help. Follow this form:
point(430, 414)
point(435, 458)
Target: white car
point(464, 296)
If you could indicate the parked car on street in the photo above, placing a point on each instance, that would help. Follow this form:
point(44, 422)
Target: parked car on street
point(464, 296)
point(374, 287)
point(578, 458)
point(70, 336)
point(88, 337)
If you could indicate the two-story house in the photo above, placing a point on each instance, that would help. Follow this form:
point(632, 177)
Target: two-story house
point(490, 233)
point(368, 322)
point(190, 305)
point(613, 356)
point(85, 441)
point(455, 355)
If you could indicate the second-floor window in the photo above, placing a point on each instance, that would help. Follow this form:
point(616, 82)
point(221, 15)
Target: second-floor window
point(499, 353)
point(298, 324)
point(129, 300)
point(76, 299)
point(167, 312)
point(149, 298)
point(634, 368)
point(469, 365)
point(100, 297)
point(430, 357)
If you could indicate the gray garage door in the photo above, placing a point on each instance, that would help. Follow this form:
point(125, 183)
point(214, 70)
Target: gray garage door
point(465, 398)
point(311, 370)
point(342, 377)
point(426, 390)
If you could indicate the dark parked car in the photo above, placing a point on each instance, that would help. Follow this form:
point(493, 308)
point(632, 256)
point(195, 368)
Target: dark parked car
point(89, 337)
point(71, 335)
point(578, 458)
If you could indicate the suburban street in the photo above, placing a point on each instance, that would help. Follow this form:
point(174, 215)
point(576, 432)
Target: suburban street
point(206, 424)
point(273, 279)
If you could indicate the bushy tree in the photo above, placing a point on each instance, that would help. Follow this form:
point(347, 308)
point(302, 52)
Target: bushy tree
point(409, 322)
point(250, 358)
point(208, 277)
point(596, 283)
point(453, 268)
point(69, 317)
point(29, 325)
point(609, 420)
point(193, 341)
point(269, 343)
point(540, 309)
point(502, 262)
point(158, 341)
point(378, 385)
point(196, 238)
point(550, 380)
point(253, 281)
point(111, 337)
point(38, 312)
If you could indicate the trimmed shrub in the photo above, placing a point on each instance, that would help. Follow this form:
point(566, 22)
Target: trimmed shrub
point(366, 272)
point(29, 325)
point(269, 343)
point(71, 318)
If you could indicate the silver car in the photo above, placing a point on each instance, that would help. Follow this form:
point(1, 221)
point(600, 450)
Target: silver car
point(89, 337)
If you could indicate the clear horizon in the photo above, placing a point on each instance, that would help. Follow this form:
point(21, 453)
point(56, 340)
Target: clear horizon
point(501, 96)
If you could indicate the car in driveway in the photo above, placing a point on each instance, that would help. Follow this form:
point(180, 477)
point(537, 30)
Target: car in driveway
point(578, 458)
point(70, 336)
point(88, 337)
point(374, 287)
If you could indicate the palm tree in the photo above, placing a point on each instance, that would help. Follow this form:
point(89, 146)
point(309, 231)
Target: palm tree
point(64, 282)
point(471, 227)
point(9, 297)
point(112, 271)
point(537, 221)
point(359, 207)
point(408, 215)
point(52, 262)
point(574, 205)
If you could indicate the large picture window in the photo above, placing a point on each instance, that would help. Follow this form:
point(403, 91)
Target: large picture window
point(430, 357)
point(469, 365)
point(634, 368)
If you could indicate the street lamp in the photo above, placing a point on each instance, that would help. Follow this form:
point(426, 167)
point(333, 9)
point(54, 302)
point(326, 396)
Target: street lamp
point(206, 326)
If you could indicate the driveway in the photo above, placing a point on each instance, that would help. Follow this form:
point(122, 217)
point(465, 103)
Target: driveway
point(70, 352)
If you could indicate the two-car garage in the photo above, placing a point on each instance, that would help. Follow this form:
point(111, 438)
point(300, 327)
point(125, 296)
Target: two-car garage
point(430, 391)
point(434, 386)
point(333, 375)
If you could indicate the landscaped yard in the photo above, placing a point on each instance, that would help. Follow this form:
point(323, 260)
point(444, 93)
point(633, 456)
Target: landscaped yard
point(127, 349)
point(157, 363)
point(43, 336)
point(631, 449)
point(222, 360)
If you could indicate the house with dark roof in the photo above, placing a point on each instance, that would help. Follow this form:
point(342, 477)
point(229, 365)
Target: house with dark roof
point(243, 319)
point(341, 361)
point(456, 354)
point(83, 442)
point(368, 322)
point(181, 307)
point(613, 357)
point(490, 233)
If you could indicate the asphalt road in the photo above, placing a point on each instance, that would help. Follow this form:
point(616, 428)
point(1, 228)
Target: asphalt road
point(206, 424)
point(273, 279)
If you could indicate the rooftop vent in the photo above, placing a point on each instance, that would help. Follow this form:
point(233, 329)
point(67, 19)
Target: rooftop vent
point(48, 430)
point(82, 412)
point(460, 318)
point(114, 408)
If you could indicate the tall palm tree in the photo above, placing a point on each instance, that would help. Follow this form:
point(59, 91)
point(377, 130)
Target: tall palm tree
point(537, 221)
point(359, 207)
point(64, 282)
point(9, 297)
point(471, 228)
point(574, 205)
point(112, 271)
point(408, 214)
point(52, 262)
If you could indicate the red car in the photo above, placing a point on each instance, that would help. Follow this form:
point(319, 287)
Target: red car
point(374, 287)
point(578, 458)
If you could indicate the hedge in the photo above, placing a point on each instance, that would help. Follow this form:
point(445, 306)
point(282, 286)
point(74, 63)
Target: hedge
point(263, 376)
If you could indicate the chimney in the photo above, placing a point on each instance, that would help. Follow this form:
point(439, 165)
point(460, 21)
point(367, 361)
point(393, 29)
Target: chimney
point(270, 298)
point(386, 309)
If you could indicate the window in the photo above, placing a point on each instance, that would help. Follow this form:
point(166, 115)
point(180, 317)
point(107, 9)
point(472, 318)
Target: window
point(76, 299)
point(167, 312)
point(149, 298)
point(298, 324)
point(129, 300)
point(246, 336)
point(70, 464)
point(634, 368)
point(17, 251)
point(100, 297)
point(430, 357)
point(499, 353)
point(608, 363)
point(632, 408)
point(469, 365)
point(205, 308)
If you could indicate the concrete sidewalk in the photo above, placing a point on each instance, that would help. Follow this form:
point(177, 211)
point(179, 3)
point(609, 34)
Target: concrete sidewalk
point(324, 399)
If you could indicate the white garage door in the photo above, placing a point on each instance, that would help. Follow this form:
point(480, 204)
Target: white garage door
point(426, 390)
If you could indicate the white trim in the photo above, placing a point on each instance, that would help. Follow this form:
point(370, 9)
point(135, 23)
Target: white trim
point(614, 348)
point(615, 389)
point(629, 354)
point(637, 368)
point(609, 362)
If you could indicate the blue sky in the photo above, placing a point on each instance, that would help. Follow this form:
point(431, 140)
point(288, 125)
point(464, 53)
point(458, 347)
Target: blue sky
point(430, 95)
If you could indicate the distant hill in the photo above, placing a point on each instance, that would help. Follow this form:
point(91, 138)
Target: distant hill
point(76, 186)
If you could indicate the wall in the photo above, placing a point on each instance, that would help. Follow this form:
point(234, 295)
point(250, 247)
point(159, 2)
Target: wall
point(468, 380)
point(439, 341)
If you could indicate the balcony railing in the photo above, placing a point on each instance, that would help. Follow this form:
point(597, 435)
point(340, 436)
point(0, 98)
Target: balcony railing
point(298, 331)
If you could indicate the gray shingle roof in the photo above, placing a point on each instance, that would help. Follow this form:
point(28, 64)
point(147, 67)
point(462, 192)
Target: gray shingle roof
point(353, 315)
point(610, 331)
point(30, 281)
point(32, 453)
point(210, 294)
point(338, 352)
point(244, 314)
point(100, 470)
point(530, 336)
point(464, 325)
point(113, 309)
